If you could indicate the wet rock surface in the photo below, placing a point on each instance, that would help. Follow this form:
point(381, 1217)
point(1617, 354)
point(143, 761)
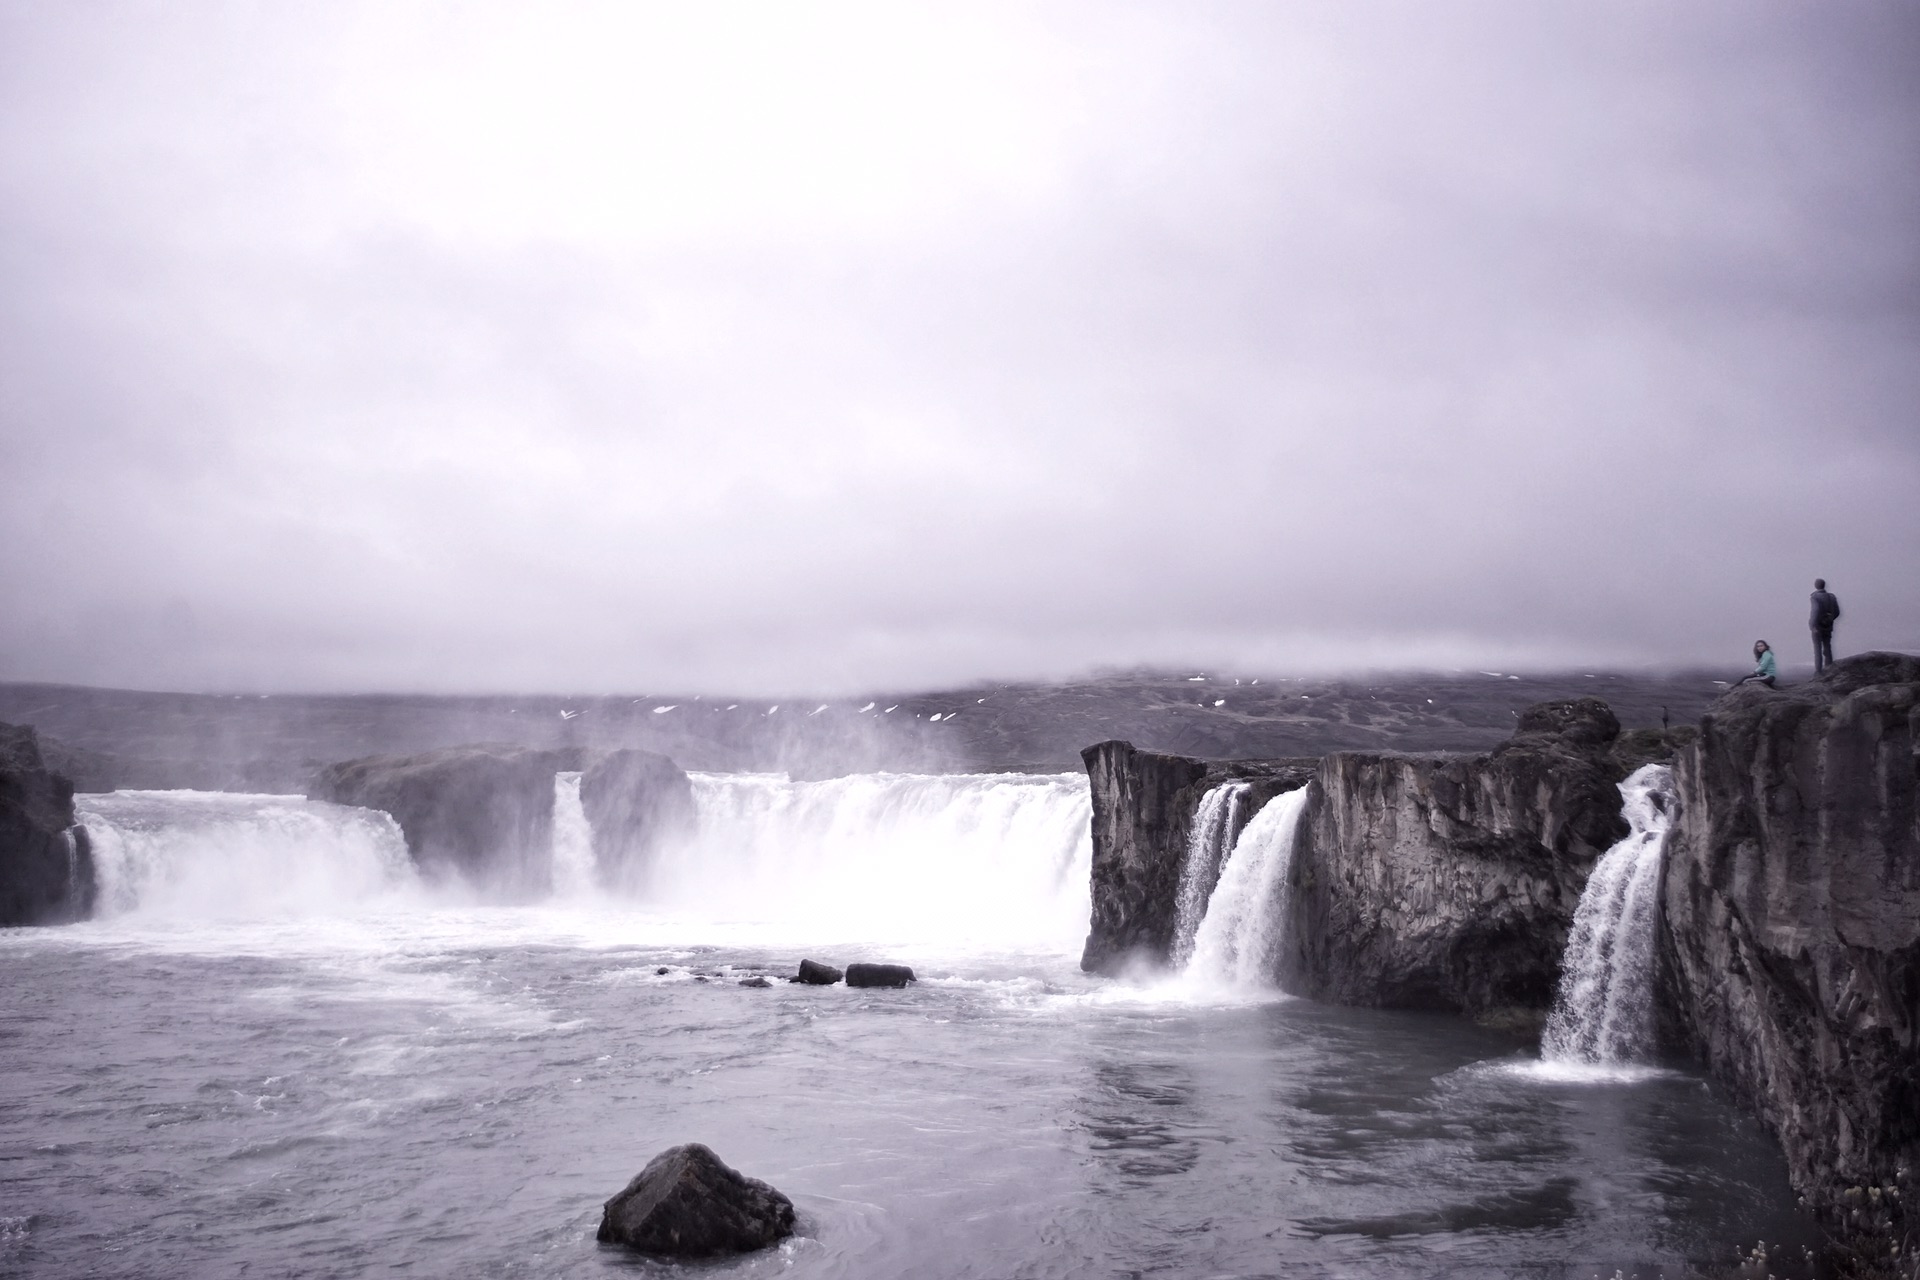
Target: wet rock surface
point(814, 974)
point(1143, 807)
point(878, 975)
point(635, 802)
point(479, 814)
point(1450, 882)
point(46, 864)
point(1792, 917)
point(484, 814)
point(688, 1203)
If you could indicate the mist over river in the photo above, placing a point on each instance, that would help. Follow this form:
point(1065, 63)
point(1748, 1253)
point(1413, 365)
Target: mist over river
point(278, 1053)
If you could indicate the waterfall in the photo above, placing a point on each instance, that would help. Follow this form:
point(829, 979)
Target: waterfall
point(1215, 823)
point(573, 866)
point(1001, 859)
point(221, 854)
point(1238, 941)
point(1603, 1012)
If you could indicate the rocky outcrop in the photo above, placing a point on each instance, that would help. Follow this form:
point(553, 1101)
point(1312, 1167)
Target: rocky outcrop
point(814, 974)
point(46, 862)
point(688, 1203)
point(1143, 807)
point(1792, 917)
point(1450, 882)
point(635, 801)
point(481, 815)
point(878, 975)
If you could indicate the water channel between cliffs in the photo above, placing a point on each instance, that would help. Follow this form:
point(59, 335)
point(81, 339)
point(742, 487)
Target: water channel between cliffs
point(278, 1052)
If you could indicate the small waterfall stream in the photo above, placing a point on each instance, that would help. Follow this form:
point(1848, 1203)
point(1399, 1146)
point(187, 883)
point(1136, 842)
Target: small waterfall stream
point(1603, 1012)
point(1216, 822)
point(573, 868)
point(1238, 940)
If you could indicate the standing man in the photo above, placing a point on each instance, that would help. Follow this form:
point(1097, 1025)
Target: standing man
point(1826, 612)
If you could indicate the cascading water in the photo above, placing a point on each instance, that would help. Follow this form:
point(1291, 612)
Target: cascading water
point(573, 869)
point(1603, 1012)
point(1239, 939)
point(998, 859)
point(1215, 823)
point(215, 854)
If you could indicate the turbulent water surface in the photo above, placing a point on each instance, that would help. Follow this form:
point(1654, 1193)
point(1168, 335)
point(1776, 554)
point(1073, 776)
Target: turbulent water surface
point(278, 1054)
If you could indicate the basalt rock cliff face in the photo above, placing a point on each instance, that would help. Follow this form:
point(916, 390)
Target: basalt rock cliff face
point(1143, 806)
point(46, 862)
point(1450, 882)
point(483, 815)
point(1792, 917)
point(1418, 881)
point(635, 801)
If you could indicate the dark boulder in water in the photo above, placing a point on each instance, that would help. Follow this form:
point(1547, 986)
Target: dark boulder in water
point(1791, 919)
point(688, 1203)
point(480, 814)
point(635, 802)
point(755, 981)
point(46, 862)
point(878, 975)
point(815, 974)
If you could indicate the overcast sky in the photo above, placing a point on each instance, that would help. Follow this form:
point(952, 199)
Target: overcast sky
point(801, 347)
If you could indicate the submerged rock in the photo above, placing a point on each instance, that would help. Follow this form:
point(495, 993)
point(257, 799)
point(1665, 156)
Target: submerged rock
point(815, 974)
point(755, 981)
point(46, 862)
point(688, 1203)
point(1792, 917)
point(878, 975)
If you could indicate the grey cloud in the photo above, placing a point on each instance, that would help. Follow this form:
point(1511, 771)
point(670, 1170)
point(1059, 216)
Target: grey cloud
point(1331, 336)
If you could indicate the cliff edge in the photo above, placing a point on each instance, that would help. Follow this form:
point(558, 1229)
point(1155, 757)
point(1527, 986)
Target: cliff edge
point(1792, 918)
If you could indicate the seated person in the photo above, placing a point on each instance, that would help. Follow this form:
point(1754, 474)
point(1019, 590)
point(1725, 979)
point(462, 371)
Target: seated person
point(1764, 671)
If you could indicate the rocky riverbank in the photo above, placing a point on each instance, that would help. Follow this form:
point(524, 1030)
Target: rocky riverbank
point(46, 862)
point(1790, 940)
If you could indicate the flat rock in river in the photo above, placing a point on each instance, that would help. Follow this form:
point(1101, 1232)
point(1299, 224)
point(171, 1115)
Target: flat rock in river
point(878, 975)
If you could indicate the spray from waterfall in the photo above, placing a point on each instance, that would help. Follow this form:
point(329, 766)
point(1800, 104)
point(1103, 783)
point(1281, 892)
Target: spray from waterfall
point(220, 854)
point(1239, 940)
point(573, 868)
point(1002, 859)
point(1603, 1012)
point(1216, 821)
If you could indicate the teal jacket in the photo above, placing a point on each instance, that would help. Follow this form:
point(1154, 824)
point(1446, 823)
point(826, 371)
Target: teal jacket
point(1767, 667)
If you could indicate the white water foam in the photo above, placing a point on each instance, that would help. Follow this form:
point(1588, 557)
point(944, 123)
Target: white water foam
point(573, 868)
point(1215, 823)
point(1238, 942)
point(976, 859)
point(1603, 1012)
point(222, 855)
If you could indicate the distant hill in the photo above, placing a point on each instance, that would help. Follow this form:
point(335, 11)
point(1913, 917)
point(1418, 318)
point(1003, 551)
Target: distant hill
point(108, 738)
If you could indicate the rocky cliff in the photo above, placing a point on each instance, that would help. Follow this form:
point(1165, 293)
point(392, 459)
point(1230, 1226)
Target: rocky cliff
point(1143, 807)
point(1792, 917)
point(483, 815)
point(634, 801)
point(1418, 881)
point(1450, 882)
point(46, 864)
